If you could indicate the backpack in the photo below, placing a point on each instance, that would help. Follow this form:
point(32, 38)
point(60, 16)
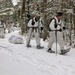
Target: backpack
point(48, 23)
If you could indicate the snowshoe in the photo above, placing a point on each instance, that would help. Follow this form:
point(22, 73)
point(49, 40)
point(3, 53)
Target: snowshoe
point(40, 47)
point(28, 46)
point(50, 51)
point(64, 51)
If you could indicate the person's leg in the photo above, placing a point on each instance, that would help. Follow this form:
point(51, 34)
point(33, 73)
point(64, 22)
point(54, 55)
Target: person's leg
point(62, 44)
point(0, 32)
point(29, 35)
point(37, 37)
point(51, 41)
point(60, 40)
point(8, 29)
point(3, 34)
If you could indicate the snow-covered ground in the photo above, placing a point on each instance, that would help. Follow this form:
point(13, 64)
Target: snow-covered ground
point(16, 59)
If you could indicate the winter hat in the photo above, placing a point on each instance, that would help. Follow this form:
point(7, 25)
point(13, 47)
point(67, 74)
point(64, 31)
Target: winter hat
point(59, 13)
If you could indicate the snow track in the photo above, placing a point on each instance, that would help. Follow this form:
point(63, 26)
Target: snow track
point(16, 59)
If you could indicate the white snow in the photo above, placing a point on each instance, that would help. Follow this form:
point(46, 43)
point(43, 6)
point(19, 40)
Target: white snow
point(15, 2)
point(16, 59)
point(15, 39)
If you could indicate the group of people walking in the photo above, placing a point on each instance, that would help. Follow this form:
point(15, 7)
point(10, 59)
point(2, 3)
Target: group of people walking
point(8, 25)
point(56, 27)
point(35, 27)
point(2, 29)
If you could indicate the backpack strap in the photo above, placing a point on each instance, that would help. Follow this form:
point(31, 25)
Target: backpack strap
point(33, 22)
point(51, 21)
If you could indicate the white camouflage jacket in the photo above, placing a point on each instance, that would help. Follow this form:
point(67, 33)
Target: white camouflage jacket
point(60, 24)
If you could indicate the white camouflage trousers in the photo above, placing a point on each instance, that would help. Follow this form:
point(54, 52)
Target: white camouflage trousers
point(52, 39)
point(9, 29)
point(35, 34)
point(2, 34)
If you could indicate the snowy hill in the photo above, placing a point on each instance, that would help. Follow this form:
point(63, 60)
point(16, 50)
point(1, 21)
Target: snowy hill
point(16, 59)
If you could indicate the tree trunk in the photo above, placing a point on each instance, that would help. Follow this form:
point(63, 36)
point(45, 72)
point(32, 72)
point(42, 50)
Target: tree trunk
point(45, 34)
point(23, 15)
point(74, 26)
point(23, 6)
point(74, 20)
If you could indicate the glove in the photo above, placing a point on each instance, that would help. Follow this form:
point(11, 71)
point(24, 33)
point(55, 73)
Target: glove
point(64, 28)
point(41, 28)
point(55, 26)
point(33, 22)
point(60, 30)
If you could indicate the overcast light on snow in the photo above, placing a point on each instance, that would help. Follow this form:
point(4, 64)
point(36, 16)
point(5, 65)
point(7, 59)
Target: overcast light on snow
point(17, 59)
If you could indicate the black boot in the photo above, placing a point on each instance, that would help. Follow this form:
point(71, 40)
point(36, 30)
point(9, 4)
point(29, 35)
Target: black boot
point(50, 50)
point(63, 51)
point(40, 47)
point(28, 45)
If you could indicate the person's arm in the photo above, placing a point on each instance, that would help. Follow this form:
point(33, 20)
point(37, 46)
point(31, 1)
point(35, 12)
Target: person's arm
point(41, 25)
point(30, 23)
point(63, 27)
point(52, 25)
point(4, 25)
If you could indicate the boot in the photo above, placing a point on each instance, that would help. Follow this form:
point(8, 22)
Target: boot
point(63, 51)
point(40, 47)
point(28, 45)
point(50, 50)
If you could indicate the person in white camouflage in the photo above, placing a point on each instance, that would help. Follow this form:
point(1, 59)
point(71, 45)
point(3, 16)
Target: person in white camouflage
point(2, 29)
point(56, 33)
point(9, 26)
point(34, 26)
